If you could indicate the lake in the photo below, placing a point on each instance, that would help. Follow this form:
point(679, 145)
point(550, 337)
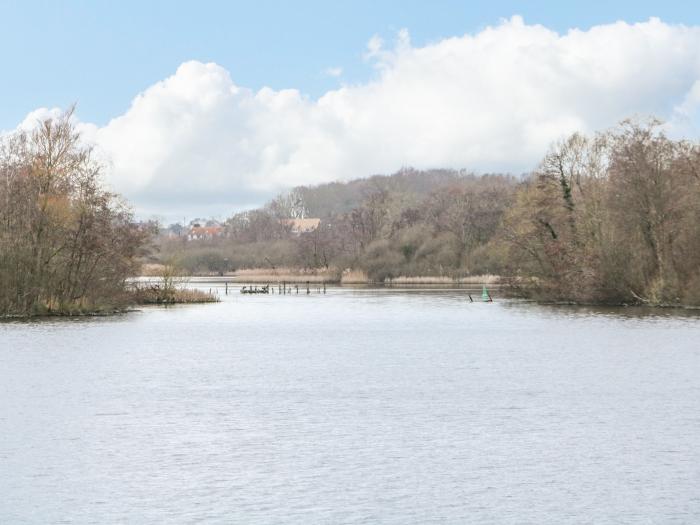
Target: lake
point(356, 406)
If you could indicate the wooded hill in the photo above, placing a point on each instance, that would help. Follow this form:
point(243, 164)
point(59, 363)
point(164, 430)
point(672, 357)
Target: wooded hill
point(410, 223)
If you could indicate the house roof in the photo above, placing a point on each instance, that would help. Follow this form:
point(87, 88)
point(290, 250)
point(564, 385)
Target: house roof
point(302, 225)
point(206, 230)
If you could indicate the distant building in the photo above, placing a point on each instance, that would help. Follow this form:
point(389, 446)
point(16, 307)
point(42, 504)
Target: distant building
point(299, 226)
point(204, 233)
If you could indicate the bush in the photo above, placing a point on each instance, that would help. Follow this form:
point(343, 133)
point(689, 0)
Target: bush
point(382, 261)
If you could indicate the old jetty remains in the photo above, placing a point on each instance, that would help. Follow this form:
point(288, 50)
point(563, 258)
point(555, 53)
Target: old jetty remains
point(283, 288)
point(255, 289)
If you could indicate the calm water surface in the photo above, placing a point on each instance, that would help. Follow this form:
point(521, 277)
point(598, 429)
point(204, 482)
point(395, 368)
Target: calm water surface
point(358, 406)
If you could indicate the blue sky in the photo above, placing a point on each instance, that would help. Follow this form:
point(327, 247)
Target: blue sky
point(100, 54)
point(204, 108)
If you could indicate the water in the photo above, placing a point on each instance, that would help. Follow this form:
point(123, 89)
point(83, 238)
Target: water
point(358, 406)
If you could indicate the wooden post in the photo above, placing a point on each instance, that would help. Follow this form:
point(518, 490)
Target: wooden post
point(226, 288)
point(307, 288)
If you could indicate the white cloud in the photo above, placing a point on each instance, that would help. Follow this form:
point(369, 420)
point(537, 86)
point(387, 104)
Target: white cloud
point(31, 121)
point(34, 118)
point(334, 71)
point(374, 47)
point(489, 101)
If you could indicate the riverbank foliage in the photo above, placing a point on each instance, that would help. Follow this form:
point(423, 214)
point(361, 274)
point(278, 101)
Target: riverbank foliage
point(67, 246)
point(613, 218)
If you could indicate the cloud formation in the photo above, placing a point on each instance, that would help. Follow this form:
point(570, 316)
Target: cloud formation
point(334, 71)
point(490, 101)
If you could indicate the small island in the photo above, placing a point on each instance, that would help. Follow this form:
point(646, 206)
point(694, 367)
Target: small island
point(67, 245)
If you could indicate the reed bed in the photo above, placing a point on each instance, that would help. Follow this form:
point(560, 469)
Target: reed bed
point(354, 277)
point(289, 275)
point(157, 295)
point(435, 279)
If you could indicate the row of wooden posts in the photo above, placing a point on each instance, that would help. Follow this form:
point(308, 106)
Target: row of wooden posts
point(282, 289)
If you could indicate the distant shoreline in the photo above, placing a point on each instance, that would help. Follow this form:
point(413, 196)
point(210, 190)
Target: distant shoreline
point(323, 275)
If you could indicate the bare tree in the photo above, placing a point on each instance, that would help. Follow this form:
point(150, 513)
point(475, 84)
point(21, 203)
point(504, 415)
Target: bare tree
point(66, 244)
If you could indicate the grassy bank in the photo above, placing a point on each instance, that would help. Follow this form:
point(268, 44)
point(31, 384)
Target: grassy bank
point(141, 295)
point(349, 277)
point(70, 310)
point(434, 279)
point(289, 275)
point(321, 275)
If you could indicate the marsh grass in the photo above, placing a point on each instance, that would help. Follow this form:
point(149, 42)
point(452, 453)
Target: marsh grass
point(289, 275)
point(170, 288)
point(155, 294)
point(435, 279)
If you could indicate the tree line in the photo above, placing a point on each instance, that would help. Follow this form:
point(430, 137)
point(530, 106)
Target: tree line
point(612, 218)
point(409, 223)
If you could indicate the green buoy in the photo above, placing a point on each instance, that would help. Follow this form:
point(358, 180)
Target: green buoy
point(485, 295)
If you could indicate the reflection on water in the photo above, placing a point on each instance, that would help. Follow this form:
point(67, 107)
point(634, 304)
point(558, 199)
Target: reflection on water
point(361, 405)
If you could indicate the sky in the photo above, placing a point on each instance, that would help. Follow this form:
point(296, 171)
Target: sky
point(210, 107)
